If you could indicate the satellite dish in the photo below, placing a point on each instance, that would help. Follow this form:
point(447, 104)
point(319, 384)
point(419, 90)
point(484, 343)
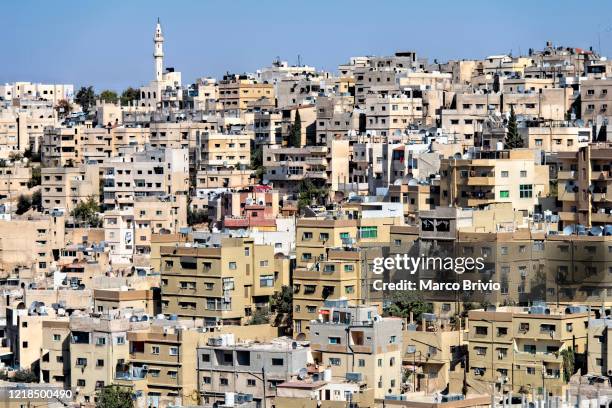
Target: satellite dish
point(596, 231)
point(413, 182)
point(302, 373)
point(569, 230)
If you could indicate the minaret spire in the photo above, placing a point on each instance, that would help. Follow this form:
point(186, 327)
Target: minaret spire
point(158, 52)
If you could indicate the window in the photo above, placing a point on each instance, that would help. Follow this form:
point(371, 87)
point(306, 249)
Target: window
point(206, 380)
point(99, 363)
point(80, 382)
point(481, 330)
point(232, 265)
point(277, 361)
point(155, 350)
point(504, 194)
point(223, 381)
point(368, 232)
point(206, 358)
point(334, 340)
point(504, 173)
point(361, 362)
point(480, 351)
point(266, 281)
point(306, 236)
point(334, 361)
point(251, 382)
point(81, 362)
point(173, 351)
point(523, 173)
point(392, 339)
point(56, 337)
point(526, 190)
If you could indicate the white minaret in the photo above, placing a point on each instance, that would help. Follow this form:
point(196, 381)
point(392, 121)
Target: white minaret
point(158, 53)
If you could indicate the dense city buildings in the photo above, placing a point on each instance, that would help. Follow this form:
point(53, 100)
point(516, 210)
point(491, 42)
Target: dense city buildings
point(395, 232)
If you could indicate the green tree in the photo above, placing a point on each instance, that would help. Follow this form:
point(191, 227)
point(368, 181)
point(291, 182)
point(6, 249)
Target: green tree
point(129, 95)
point(109, 96)
point(114, 396)
point(295, 134)
point(197, 216)
point(281, 303)
point(310, 193)
point(32, 155)
point(24, 376)
point(569, 360)
point(513, 139)
point(24, 203)
point(260, 316)
point(86, 213)
point(63, 108)
point(35, 180)
point(86, 97)
point(37, 200)
point(402, 303)
point(257, 161)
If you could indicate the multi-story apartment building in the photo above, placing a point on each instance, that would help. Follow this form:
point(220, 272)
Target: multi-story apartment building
point(37, 91)
point(236, 92)
point(223, 283)
point(62, 146)
point(522, 348)
point(98, 346)
point(583, 180)
point(267, 127)
point(599, 356)
point(287, 167)
point(146, 173)
point(436, 352)
point(161, 365)
point(247, 369)
point(106, 300)
point(516, 176)
point(553, 138)
point(30, 242)
point(63, 188)
point(220, 151)
point(14, 180)
point(356, 341)
point(55, 352)
point(391, 114)
point(596, 100)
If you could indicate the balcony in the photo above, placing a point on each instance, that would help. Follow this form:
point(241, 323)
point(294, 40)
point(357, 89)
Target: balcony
point(481, 181)
point(566, 175)
point(601, 175)
point(316, 175)
point(539, 356)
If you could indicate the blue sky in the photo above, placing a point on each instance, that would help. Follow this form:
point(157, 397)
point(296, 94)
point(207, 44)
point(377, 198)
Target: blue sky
point(108, 43)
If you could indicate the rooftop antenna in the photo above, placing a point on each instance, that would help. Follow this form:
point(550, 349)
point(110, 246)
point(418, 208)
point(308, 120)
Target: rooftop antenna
point(299, 60)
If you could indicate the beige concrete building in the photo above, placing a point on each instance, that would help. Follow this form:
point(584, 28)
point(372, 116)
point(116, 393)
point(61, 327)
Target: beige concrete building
point(105, 300)
point(523, 346)
point(514, 176)
point(63, 188)
point(14, 180)
point(98, 346)
point(55, 352)
point(236, 92)
point(356, 340)
point(220, 284)
point(583, 180)
point(29, 242)
point(146, 173)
